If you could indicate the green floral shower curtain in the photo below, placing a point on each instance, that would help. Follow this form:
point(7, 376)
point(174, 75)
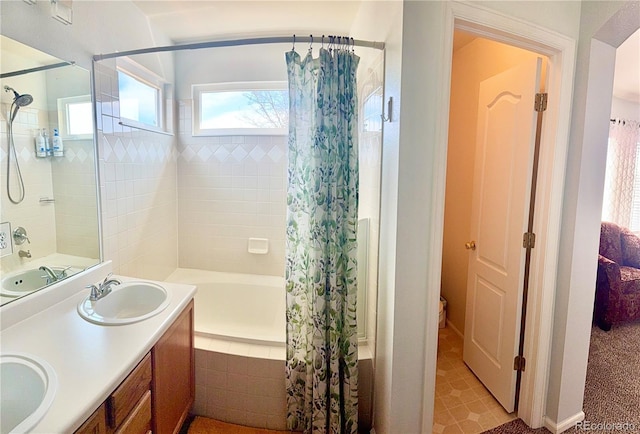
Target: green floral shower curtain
point(322, 219)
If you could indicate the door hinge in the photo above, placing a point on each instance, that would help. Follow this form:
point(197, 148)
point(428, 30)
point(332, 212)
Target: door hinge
point(528, 240)
point(541, 102)
point(518, 363)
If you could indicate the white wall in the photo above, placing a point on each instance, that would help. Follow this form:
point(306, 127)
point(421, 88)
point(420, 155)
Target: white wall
point(612, 22)
point(382, 21)
point(414, 290)
point(623, 109)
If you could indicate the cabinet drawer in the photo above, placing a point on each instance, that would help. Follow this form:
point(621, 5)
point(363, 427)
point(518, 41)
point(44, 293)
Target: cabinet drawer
point(139, 421)
point(128, 394)
point(96, 424)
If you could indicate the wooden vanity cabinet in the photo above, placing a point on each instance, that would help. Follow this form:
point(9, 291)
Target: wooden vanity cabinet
point(173, 384)
point(129, 395)
point(128, 408)
point(97, 422)
point(158, 394)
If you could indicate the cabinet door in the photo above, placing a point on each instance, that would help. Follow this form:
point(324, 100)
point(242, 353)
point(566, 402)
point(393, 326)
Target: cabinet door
point(96, 424)
point(173, 384)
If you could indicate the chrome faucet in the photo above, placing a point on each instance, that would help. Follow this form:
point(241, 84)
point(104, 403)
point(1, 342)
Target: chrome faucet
point(24, 254)
point(51, 275)
point(104, 288)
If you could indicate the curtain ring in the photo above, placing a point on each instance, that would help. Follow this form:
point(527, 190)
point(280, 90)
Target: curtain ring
point(293, 47)
point(311, 44)
point(322, 42)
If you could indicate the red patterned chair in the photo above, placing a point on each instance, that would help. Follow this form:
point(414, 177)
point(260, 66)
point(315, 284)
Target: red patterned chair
point(618, 280)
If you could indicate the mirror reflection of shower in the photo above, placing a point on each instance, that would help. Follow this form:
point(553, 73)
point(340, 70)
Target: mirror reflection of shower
point(18, 101)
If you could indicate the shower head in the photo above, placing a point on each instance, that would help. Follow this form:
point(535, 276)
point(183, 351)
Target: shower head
point(19, 100)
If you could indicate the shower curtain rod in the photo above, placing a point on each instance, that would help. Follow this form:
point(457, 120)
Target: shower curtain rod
point(236, 42)
point(36, 69)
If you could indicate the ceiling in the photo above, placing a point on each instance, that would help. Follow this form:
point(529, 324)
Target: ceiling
point(626, 81)
point(200, 20)
point(189, 21)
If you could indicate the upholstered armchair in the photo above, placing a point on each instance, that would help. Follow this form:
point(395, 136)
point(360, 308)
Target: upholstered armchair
point(618, 280)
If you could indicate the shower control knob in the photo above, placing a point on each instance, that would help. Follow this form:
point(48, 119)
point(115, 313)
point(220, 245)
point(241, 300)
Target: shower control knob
point(20, 236)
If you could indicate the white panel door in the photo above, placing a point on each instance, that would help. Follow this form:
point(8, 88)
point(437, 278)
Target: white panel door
point(502, 182)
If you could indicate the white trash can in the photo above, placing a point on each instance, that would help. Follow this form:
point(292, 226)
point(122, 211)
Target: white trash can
point(443, 313)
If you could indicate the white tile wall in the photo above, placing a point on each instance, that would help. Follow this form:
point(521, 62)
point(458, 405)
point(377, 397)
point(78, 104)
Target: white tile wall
point(76, 207)
point(230, 189)
point(138, 189)
point(251, 391)
point(242, 390)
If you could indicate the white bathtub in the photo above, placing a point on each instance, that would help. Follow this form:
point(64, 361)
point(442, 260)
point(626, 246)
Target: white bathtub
point(240, 349)
point(239, 307)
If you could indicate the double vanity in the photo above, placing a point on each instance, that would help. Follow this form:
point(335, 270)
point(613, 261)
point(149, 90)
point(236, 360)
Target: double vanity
point(121, 360)
point(121, 363)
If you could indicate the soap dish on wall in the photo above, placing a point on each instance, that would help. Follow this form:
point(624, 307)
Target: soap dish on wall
point(258, 246)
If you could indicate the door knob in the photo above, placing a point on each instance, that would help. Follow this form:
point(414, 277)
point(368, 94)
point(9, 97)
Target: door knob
point(471, 245)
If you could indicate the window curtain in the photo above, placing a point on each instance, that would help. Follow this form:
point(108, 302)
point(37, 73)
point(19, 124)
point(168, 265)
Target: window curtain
point(322, 219)
point(621, 203)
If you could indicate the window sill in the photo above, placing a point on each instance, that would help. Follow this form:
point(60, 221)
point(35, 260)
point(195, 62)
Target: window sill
point(144, 127)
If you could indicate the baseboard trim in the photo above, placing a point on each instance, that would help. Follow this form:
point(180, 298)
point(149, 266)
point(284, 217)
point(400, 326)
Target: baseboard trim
point(454, 329)
point(557, 428)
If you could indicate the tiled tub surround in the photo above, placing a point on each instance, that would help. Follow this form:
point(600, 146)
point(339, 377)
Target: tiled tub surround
point(240, 377)
point(230, 189)
point(138, 188)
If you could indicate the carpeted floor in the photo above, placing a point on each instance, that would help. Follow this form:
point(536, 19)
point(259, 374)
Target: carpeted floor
point(516, 426)
point(612, 389)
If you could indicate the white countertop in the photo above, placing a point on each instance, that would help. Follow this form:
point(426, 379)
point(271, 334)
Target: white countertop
point(90, 360)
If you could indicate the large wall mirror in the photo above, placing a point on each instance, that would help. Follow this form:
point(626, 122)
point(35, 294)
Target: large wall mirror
point(48, 197)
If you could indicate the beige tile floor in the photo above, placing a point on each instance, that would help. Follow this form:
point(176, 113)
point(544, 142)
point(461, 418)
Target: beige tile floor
point(462, 403)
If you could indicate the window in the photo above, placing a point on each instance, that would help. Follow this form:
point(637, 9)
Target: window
point(621, 201)
point(254, 108)
point(142, 96)
point(372, 111)
point(75, 117)
point(139, 101)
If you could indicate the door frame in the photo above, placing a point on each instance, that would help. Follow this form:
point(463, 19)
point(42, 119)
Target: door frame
point(561, 52)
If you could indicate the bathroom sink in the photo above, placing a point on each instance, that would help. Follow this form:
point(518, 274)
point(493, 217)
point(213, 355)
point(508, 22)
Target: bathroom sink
point(127, 303)
point(23, 282)
point(28, 387)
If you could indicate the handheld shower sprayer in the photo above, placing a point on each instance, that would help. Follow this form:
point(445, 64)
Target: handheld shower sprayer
point(18, 100)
